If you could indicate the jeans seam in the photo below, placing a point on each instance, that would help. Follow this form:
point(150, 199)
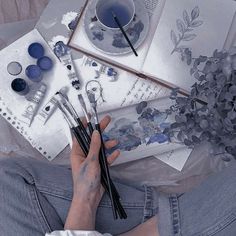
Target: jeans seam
point(125, 205)
point(55, 193)
point(148, 210)
point(218, 226)
point(102, 204)
point(38, 209)
point(175, 216)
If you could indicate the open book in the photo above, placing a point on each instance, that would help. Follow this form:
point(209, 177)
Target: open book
point(201, 26)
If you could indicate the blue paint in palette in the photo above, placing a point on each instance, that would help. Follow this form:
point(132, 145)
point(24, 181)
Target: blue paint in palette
point(20, 86)
point(34, 73)
point(36, 50)
point(45, 63)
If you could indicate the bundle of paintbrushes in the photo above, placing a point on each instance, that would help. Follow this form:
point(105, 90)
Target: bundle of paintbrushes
point(84, 139)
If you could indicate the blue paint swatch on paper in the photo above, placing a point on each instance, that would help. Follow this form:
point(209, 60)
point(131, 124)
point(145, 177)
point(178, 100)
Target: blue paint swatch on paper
point(147, 129)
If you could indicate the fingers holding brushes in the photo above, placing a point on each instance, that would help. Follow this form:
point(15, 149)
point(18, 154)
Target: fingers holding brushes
point(84, 140)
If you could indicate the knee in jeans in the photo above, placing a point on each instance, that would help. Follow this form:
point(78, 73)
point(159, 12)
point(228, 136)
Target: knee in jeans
point(9, 168)
point(6, 164)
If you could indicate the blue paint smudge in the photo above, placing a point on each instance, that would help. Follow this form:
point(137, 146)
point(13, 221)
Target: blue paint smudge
point(72, 25)
point(148, 129)
point(158, 138)
point(60, 49)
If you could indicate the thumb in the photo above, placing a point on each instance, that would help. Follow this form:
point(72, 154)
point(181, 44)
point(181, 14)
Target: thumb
point(95, 145)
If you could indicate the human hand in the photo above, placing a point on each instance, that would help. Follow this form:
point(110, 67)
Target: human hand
point(86, 174)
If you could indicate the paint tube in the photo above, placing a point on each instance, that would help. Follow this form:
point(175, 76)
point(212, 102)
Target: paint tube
point(63, 52)
point(33, 105)
point(101, 69)
point(47, 110)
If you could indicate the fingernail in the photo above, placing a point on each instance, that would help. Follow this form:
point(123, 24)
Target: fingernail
point(96, 133)
point(108, 117)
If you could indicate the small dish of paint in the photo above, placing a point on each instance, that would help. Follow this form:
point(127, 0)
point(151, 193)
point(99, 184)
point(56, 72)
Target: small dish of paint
point(20, 86)
point(45, 63)
point(34, 73)
point(36, 50)
point(14, 68)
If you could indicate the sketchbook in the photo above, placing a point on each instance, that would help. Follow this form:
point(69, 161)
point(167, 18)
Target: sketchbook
point(201, 26)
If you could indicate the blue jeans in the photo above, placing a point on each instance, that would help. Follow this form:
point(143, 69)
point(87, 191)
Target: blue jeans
point(35, 198)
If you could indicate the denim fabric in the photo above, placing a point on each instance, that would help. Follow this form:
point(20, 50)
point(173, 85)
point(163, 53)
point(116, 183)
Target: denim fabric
point(35, 198)
point(209, 209)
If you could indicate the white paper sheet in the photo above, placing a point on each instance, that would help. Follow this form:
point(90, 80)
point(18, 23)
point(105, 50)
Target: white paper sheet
point(175, 158)
point(50, 139)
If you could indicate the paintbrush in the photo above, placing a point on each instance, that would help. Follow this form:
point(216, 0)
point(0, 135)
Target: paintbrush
point(91, 129)
point(103, 159)
point(71, 109)
point(87, 117)
point(73, 125)
point(71, 117)
point(124, 33)
point(104, 165)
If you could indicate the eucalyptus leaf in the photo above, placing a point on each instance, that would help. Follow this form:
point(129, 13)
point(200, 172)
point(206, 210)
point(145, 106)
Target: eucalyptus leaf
point(196, 75)
point(196, 139)
point(189, 30)
point(232, 90)
point(215, 121)
point(173, 37)
point(192, 70)
point(226, 158)
point(232, 115)
point(204, 124)
point(187, 142)
point(180, 26)
point(203, 58)
point(186, 18)
point(189, 37)
point(196, 23)
point(195, 13)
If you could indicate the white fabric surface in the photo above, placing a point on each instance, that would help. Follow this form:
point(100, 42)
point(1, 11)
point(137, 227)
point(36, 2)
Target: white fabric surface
point(76, 233)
